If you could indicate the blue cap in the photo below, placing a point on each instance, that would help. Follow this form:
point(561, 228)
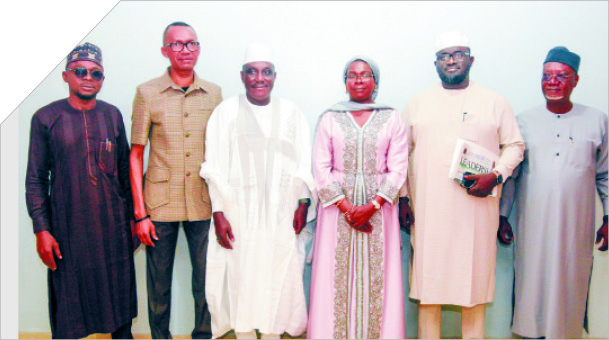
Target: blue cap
point(561, 54)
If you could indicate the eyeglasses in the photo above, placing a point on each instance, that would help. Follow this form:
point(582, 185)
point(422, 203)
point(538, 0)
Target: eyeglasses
point(267, 73)
point(561, 77)
point(361, 76)
point(82, 72)
point(457, 56)
point(192, 46)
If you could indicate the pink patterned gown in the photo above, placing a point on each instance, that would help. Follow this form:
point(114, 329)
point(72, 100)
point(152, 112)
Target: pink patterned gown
point(356, 283)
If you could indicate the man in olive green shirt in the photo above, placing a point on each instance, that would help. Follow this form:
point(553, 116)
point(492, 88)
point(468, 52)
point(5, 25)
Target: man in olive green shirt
point(172, 112)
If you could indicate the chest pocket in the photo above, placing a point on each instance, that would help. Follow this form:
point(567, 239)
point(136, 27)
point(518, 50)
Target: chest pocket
point(106, 157)
point(469, 131)
point(200, 118)
point(469, 126)
point(581, 154)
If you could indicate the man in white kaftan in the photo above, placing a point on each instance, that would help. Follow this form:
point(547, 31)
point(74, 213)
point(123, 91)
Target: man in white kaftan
point(258, 167)
point(453, 238)
point(565, 163)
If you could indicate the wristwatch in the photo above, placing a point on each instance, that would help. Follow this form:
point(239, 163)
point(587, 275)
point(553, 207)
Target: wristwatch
point(499, 177)
point(376, 204)
point(306, 201)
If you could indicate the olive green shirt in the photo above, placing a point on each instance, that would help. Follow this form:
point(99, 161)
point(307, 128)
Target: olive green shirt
point(174, 120)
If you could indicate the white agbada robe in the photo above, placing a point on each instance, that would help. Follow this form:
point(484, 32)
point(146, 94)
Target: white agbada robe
point(258, 164)
point(454, 235)
point(553, 190)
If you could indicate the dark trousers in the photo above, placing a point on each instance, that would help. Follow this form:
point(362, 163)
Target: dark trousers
point(159, 272)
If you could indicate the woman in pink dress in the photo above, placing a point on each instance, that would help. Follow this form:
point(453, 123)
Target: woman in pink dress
point(360, 159)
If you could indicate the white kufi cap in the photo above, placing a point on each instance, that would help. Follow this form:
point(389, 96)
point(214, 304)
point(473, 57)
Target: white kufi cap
point(451, 39)
point(257, 52)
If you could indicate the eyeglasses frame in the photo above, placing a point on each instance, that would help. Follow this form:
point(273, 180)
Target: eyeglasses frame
point(184, 45)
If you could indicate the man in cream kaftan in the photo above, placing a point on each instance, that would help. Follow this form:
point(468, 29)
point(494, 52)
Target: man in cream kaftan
point(454, 233)
point(258, 167)
point(554, 194)
point(453, 237)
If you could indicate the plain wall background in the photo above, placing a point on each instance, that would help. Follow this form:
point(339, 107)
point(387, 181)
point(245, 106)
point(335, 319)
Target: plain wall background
point(312, 41)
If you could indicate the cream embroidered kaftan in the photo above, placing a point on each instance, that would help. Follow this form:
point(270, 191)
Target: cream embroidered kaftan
point(257, 167)
point(454, 236)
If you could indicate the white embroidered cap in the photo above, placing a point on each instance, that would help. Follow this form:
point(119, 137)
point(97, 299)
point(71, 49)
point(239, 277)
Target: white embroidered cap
point(258, 52)
point(451, 39)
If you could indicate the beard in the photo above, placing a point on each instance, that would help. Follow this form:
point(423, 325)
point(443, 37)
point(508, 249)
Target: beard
point(453, 79)
point(84, 96)
point(553, 97)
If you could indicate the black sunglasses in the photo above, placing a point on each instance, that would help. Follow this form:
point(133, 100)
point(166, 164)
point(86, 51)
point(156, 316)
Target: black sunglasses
point(81, 72)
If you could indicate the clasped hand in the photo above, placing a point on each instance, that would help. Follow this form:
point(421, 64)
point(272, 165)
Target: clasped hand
point(358, 217)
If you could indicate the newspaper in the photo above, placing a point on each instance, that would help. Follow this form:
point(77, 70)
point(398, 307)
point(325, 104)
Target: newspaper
point(471, 157)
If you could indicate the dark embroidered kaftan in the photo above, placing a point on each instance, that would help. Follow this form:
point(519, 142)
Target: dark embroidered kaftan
point(78, 189)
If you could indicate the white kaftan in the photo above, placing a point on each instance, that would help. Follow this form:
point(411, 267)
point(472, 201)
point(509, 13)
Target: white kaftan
point(257, 166)
point(454, 236)
point(564, 163)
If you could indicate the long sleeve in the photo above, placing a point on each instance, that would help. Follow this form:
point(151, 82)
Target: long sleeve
point(215, 169)
point(508, 193)
point(303, 177)
point(404, 190)
point(328, 187)
point(510, 140)
point(37, 182)
point(397, 160)
point(601, 167)
point(123, 165)
point(303, 141)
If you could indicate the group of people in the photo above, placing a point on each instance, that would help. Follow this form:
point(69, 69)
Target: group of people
point(241, 178)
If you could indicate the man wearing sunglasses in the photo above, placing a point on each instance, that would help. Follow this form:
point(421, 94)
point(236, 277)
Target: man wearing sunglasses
point(553, 190)
point(78, 195)
point(171, 112)
point(453, 239)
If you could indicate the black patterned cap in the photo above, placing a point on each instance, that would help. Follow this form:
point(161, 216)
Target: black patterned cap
point(86, 51)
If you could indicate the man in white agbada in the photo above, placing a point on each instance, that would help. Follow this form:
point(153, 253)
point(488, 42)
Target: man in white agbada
point(553, 190)
point(258, 168)
point(454, 236)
